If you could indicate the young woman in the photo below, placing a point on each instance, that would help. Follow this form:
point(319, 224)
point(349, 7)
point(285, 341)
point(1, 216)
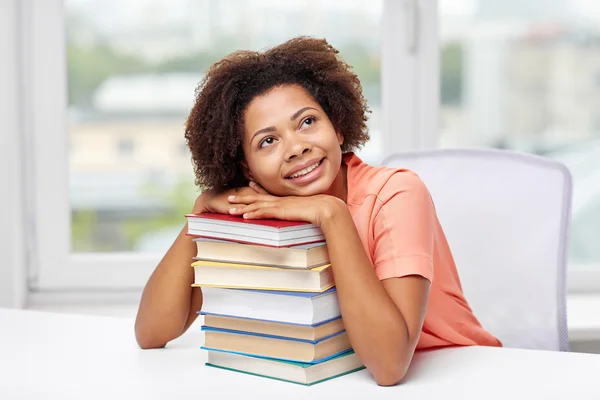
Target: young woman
point(272, 135)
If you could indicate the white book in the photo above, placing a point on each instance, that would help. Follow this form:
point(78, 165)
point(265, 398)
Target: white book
point(287, 307)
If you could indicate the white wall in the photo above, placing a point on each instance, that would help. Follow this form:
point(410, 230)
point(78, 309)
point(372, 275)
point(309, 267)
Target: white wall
point(13, 289)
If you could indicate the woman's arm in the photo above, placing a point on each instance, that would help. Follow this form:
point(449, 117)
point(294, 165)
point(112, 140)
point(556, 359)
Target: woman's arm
point(169, 304)
point(383, 318)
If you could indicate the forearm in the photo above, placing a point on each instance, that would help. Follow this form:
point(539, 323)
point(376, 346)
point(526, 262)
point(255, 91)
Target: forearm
point(165, 307)
point(375, 326)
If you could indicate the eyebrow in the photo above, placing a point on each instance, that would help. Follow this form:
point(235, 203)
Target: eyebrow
point(272, 128)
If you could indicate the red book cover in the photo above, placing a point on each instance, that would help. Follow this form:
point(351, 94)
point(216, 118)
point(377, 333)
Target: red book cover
point(274, 223)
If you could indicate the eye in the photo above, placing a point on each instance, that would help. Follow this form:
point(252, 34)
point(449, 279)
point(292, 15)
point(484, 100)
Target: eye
point(308, 122)
point(269, 140)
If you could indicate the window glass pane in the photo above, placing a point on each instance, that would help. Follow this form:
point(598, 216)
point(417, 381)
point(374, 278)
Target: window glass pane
point(132, 70)
point(525, 75)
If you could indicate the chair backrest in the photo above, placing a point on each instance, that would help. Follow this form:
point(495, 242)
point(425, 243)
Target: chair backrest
point(506, 216)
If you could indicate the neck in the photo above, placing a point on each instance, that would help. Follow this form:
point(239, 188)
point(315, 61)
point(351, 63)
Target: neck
point(339, 187)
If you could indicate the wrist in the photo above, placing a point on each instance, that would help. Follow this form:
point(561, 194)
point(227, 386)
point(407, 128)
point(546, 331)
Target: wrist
point(199, 204)
point(334, 209)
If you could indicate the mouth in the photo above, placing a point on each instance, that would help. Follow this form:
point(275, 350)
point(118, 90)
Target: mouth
point(305, 171)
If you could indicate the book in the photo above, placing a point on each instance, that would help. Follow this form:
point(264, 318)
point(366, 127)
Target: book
point(298, 308)
point(267, 232)
point(246, 276)
point(288, 371)
point(277, 347)
point(304, 256)
point(270, 328)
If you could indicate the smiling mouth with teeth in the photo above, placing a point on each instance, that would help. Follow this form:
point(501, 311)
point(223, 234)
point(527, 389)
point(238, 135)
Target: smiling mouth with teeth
point(305, 170)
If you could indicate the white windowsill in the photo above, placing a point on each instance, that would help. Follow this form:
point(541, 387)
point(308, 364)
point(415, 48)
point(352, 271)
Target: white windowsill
point(583, 317)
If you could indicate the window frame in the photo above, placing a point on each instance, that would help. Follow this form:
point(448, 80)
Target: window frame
point(52, 266)
point(13, 273)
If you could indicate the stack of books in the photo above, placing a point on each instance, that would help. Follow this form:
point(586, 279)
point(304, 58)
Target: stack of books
point(270, 305)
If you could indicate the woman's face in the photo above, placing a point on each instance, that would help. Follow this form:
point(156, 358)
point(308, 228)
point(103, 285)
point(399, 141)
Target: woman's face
point(290, 146)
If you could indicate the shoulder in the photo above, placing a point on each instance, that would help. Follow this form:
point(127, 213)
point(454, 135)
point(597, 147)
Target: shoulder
point(383, 182)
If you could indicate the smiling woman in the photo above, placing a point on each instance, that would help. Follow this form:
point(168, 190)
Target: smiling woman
point(276, 156)
point(240, 82)
point(272, 135)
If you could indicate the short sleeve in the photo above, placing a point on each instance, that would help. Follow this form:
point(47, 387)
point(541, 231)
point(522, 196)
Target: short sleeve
point(404, 229)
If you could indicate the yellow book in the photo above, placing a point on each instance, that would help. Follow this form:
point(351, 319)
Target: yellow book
point(247, 276)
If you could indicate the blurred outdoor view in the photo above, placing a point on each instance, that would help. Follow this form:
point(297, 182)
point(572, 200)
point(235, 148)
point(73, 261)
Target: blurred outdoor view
point(132, 70)
point(520, 74)
point(525, 75)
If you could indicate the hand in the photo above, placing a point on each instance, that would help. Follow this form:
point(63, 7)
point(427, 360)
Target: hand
point(215, 200)
point(313, 209)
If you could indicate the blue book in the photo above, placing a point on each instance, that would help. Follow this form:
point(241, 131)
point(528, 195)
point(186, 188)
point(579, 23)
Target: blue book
point(287, 371)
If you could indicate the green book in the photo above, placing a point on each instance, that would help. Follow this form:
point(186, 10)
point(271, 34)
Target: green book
point(287, 371)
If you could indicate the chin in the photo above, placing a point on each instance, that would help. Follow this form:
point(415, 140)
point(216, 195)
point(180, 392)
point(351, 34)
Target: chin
point(312, 190)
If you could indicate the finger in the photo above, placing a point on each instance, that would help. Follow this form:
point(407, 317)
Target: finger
point(264, 213)
point(257, 188)
point(247, 208)
point(236, 209)
point(251, 198)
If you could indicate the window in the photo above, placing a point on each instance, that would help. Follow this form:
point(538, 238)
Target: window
point(523, 75)
point(125, 148)
point(109, 172)
point(131, 70)
point(183, 150)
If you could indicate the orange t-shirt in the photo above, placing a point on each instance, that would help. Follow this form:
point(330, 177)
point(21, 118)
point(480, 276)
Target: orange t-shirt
point(396, 220)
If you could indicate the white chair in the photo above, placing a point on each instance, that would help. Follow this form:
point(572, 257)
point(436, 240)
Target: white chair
point(506, 216)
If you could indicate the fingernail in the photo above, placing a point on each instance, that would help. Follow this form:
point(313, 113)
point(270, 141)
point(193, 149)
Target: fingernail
point(231, 198)
point(251, 183)
point(231, 210)
point(246, 215)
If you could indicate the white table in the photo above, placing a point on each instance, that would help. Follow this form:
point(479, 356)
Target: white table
point(62, 356)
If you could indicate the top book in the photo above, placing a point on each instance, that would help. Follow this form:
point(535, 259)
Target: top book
point(266, 232)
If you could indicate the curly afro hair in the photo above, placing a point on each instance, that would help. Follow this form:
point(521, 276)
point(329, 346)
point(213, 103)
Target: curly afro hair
point(214, 128)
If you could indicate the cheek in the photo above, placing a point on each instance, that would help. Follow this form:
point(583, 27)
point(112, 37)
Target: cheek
point(263, 171)
point(335, 145)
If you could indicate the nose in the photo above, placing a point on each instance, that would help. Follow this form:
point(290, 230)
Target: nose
point(296, 147)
